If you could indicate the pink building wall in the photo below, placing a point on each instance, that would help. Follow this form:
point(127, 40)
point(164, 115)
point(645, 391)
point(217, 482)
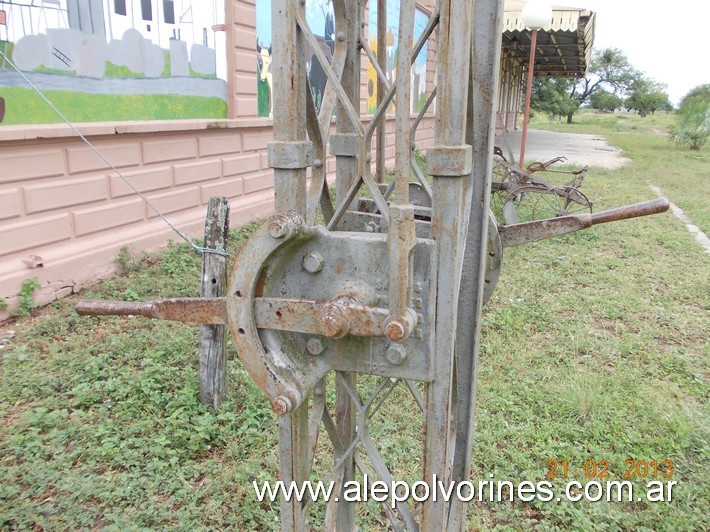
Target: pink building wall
point(63, 208)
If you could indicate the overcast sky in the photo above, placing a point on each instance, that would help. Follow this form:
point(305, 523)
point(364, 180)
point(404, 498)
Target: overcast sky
point(665, 40)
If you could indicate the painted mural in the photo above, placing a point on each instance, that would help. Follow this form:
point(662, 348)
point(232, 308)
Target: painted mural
point(419, 68)
point(319, 15)
point(108, 60)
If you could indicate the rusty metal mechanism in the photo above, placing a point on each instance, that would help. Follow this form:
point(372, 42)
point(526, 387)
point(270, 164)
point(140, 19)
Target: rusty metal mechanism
point(523, 195)
point(393, 289)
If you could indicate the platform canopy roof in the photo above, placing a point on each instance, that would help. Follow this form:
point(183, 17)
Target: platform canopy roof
point(564, 45)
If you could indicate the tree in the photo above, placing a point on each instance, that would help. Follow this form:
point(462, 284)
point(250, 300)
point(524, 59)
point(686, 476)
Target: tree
point(692, 127)
point(701, 94)
point(605, 101)
point(647, 96)
point(551, 96)
point(609, 70)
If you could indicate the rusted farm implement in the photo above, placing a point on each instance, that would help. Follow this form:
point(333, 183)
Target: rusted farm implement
point(330, 319)
point(521, 194)
point(517, 194)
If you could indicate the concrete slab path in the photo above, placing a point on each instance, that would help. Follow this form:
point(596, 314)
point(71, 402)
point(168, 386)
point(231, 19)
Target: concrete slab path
point(579, 149)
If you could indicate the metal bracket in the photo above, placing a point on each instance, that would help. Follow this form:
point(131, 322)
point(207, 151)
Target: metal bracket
point(449, 161)
point(344, 144)
point(278, 302)
point(290, 155)
point(368, 219)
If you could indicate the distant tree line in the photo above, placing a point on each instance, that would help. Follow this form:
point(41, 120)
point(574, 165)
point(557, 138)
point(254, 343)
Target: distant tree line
point(611, 83)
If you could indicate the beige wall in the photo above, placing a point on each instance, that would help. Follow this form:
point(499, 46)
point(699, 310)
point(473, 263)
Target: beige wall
point(60, 202)
point(61, 206)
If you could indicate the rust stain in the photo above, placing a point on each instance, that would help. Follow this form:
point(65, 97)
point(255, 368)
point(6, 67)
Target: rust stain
point(188, 309)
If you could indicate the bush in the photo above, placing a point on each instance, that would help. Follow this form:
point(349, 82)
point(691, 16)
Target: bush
point(692, 127)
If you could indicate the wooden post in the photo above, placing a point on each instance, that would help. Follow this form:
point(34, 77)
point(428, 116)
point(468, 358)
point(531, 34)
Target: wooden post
point(213, 359)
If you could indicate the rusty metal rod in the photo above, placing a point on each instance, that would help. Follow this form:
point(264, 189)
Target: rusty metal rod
point(528, 92)
point(332, 319)
point(524, 233)
point(403, 104)
point(187, 309)
point(631, 211)
point(381, 63)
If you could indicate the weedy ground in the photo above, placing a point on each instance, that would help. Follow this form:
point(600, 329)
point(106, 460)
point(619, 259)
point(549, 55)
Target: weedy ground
point(594, 348)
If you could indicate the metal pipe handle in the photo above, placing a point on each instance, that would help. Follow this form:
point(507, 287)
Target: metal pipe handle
point(186, 309)
point(524, 233)
point(644, 208)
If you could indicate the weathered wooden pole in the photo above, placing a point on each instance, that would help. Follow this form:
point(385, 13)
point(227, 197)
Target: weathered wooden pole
point(213, 358)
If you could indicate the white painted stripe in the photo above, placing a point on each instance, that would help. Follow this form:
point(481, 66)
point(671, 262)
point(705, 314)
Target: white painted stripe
point(693, 229)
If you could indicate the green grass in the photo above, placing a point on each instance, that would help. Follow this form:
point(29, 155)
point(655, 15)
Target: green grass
point(6, 48)
point(47, 70)
point(24, 106)
point(195, 74)
point(683, 175)
point(121, 71)
point(594, 347)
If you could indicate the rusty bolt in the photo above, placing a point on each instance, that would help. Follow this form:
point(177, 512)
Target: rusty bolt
point(331, 325)
point(340, 36)
point(317, 163)
point(332, 322)
point(396, 353)
point(278, 228)
point(394, 330)
point(315, 346)
point(313, 262)
point(283, 224)
point(281, 405)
